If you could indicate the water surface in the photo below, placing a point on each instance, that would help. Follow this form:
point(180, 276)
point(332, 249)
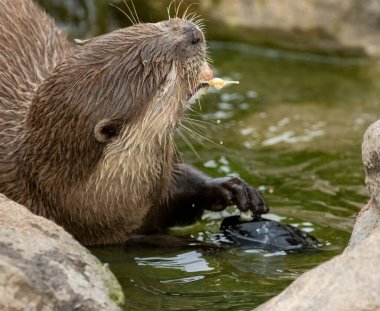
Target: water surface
point(293, 128)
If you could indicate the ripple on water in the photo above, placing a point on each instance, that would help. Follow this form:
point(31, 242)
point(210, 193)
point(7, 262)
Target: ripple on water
point(188, 262)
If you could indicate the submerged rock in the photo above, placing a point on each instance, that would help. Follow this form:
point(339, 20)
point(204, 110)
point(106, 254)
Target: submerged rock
point(43, 268)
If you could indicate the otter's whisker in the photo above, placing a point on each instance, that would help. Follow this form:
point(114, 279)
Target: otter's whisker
point(193, 123)
point(200, 123)
point(184, 15)
point(178, 8)
point(176, 149)
point(133, 13)
point(196, 138)
point(196, 134)
point(175, 9)
point(208, 57)
point(193, 16)
point(169, 8)
point(190, 108)
point(187, 142)
point(199, 104)
point(134, 9)
point(124, 13)
point(200, 23)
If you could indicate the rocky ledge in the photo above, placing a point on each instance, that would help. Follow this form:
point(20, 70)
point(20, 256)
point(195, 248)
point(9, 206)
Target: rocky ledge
point(42, 267)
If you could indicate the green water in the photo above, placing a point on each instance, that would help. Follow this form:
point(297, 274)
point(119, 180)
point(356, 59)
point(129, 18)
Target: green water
point(293, 128)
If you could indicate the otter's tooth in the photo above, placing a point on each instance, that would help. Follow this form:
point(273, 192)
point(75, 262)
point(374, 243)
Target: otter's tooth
point(203, 90)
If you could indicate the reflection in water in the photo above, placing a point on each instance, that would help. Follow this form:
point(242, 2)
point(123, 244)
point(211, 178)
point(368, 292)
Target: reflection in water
point(189, 262)
point(184, 280)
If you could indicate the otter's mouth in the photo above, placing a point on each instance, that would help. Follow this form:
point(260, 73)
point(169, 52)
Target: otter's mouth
point(206, 74)
point(196, 92)
point(199, 87)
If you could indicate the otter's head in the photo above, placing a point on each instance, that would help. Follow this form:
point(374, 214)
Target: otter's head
point(123, 92)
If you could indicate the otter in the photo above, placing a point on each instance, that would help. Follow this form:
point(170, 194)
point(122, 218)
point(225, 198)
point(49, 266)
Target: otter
point(87, 131)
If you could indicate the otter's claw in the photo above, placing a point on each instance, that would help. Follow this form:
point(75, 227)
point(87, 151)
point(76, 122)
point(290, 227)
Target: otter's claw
point(234, 191)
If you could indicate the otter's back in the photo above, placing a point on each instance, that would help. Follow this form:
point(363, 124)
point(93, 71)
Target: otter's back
point(30, 47)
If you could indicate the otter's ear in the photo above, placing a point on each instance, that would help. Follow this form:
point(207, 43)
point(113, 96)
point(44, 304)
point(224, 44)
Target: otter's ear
point(107, 130)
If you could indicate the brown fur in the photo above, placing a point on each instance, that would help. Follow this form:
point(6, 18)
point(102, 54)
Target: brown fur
point(87, 132)
point(53, 98)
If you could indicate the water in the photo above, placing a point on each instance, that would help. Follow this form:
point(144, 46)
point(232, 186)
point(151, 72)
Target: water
point(293, 128)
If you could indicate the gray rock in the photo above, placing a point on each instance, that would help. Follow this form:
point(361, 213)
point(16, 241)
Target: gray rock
point(366, 222)
point(348, 27)
point(371, 160)
point(43, 268)
point(369, 217)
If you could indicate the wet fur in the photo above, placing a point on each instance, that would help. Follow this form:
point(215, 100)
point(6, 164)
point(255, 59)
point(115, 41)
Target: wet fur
point(26, 59)
point(87, 131)
point(52, 97)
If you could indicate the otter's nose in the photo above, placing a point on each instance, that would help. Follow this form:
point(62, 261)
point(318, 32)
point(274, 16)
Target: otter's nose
point(195, 36)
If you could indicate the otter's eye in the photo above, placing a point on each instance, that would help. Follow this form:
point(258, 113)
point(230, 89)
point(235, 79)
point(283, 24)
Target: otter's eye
point(107, 130)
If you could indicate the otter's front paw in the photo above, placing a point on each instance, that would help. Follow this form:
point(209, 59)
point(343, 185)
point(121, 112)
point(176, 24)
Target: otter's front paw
point(234, 191)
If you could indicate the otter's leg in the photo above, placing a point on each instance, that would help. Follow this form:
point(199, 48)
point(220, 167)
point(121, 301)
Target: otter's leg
point(191, 192)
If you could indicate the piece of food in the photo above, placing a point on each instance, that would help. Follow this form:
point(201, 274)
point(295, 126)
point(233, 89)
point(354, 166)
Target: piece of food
point(219, 83)
point(246, 216)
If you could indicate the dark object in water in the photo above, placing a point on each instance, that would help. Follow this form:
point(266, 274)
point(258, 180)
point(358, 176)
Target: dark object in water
point(267, 234)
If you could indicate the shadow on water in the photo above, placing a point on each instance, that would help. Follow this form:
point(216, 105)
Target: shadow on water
point(293, 128)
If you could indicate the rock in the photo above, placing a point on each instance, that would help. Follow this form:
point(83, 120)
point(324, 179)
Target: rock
point(43, 268)
point(371, 160)
point(369, 217)
point(348, 282)
point(366, 222)
point(347, 27)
